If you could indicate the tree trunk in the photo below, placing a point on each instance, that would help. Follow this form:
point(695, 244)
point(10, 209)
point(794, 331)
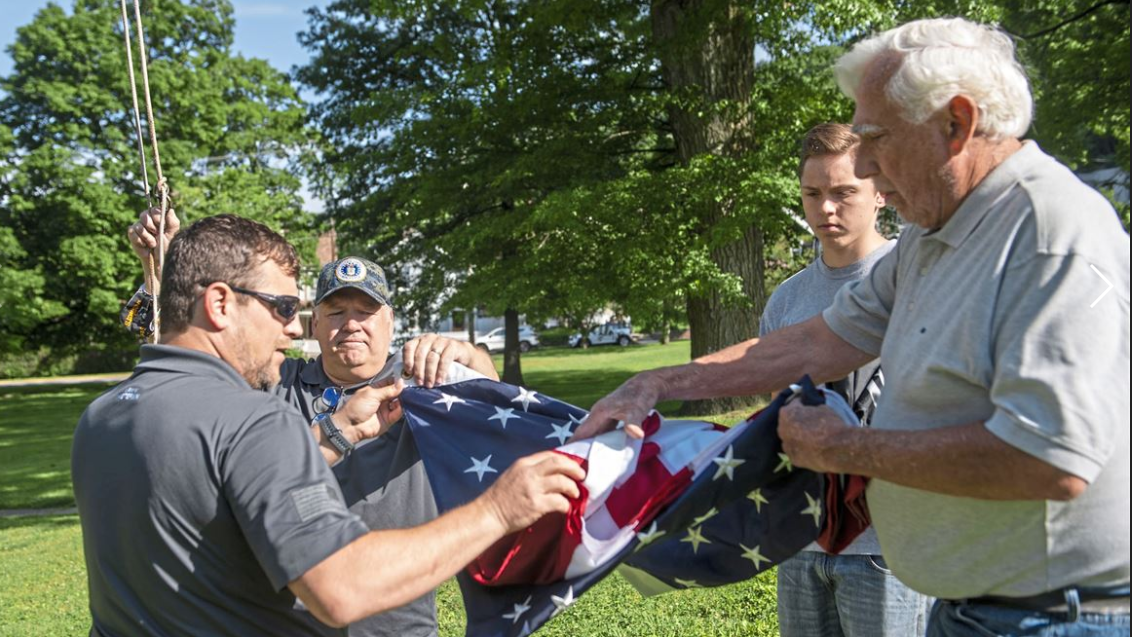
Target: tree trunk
point(665, 328)
point(706, 50)
point(512, 366)
point(471, 321)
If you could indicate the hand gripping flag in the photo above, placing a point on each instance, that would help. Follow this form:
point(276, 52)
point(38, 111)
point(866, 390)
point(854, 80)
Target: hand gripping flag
point(693, 504)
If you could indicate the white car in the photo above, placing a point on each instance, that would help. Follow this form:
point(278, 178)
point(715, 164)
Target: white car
point(608, 334)
point(493, 340)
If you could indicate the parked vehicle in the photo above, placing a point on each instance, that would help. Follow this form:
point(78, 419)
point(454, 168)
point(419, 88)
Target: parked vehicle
point(493, 340)
point(608, 334)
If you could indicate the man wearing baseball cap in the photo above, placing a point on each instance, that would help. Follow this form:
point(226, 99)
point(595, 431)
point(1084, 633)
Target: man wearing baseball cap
point(380, 472)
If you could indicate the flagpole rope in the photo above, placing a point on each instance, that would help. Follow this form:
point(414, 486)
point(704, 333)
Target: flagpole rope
point(153, 281)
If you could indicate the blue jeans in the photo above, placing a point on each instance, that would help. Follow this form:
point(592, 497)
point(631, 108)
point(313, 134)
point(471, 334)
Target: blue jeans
point(964, 619)
point(821, 595)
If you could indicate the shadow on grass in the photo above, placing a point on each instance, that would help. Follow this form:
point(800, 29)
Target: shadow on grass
point(44, 522)
point(36, 427)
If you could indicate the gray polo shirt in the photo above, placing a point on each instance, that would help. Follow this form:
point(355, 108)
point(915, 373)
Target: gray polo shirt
point(999, 317)
point(804, 296)
point(383, 481)
point(200, 500)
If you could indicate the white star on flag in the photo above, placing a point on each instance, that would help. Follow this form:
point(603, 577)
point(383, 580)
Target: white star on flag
point(784, 463)
point(650, 535)
point(449, 400)
point(562, 603)
point(561, 432)
point(503, 415)
point(526, 397)
point(814, 509)
point(758, 498)
point(519, 610)
point(705, 517)
point(686, 583)
point(574, 420)
point(480, 467)
point(755, 555)
point(696, 537)
point(727, 464)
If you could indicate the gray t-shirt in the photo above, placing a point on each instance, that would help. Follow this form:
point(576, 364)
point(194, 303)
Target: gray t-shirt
point(804, 296)
point(383, 481)
point(200, 500)
point(1000, 316)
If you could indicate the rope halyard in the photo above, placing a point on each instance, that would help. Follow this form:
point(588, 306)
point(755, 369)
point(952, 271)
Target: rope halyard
point(153, 282)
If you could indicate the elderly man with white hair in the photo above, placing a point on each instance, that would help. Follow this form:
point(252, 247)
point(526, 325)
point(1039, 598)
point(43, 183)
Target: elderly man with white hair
point(998, 454)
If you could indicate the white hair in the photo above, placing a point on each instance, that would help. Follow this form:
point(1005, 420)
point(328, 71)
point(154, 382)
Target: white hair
point(942, 58)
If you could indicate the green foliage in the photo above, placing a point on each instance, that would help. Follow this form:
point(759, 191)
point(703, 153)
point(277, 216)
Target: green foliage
point(522, 155)
point(69, 172)
point(1080, 73)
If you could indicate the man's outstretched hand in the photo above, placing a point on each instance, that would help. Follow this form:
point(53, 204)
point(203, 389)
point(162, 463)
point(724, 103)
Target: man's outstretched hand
point(630, 403)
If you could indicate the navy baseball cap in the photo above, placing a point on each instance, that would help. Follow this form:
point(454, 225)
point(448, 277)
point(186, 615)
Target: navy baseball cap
point(353, 272)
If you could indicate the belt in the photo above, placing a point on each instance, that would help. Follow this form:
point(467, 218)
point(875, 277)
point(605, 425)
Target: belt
point(1108, 600)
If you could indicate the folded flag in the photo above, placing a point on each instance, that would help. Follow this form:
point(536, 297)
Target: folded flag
point(693, 504)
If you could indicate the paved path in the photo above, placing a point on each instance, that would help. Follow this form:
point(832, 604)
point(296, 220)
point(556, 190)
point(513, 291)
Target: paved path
point(65, 380)
point(23, 513)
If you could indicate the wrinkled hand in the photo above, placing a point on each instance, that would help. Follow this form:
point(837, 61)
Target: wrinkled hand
point(810, 434)
point(143, 238)
point(534, 486)
point(143, 234)
point(370, 411)
point(630, 403)
point(428, 357)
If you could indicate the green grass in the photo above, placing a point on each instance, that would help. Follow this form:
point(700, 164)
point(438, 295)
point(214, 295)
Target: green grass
point(43, 580)
point(42, 577)
point(582, 376)
point(36, 425)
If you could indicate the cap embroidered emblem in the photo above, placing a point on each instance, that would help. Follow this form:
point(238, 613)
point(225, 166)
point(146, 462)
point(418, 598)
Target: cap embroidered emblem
point(350, 271)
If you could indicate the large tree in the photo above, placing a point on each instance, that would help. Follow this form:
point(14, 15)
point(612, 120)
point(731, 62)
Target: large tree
point(226, 126)
point(553, 157)
point(449, 122)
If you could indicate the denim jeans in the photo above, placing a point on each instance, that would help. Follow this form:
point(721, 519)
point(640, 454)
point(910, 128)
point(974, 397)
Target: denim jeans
point(962, 619)
point(821, 595)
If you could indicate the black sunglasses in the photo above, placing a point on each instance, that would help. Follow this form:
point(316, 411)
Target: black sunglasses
point(284, 305)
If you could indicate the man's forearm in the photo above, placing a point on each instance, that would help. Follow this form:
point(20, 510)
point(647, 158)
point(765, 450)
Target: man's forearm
point(962, 460)
point(480, 361)
point(761, 366)
point(386, 569)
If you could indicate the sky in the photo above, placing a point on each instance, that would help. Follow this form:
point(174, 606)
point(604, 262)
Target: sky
point(265, 29)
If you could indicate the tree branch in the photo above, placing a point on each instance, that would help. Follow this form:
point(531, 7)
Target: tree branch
point(1079, 16)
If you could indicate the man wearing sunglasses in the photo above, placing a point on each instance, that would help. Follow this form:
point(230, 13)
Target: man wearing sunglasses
point(375, 462)
point(204, 507)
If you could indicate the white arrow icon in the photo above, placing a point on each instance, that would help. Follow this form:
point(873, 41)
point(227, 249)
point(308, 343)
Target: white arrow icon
point(1106, 283)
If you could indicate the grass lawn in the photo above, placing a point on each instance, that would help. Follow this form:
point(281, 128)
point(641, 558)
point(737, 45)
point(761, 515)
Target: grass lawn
point(43, 580)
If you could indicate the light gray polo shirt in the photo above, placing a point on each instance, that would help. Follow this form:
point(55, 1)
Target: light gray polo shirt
point(999, 317)
point(200, 500)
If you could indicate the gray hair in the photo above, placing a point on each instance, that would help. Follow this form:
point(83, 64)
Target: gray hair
point(942, 58)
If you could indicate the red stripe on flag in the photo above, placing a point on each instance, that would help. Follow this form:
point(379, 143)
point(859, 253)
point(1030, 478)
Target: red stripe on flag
point(540, 553)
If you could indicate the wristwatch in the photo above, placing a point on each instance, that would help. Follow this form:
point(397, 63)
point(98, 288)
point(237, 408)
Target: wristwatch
point(333, 434)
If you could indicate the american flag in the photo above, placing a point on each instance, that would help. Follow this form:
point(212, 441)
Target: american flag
point(693, 504)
